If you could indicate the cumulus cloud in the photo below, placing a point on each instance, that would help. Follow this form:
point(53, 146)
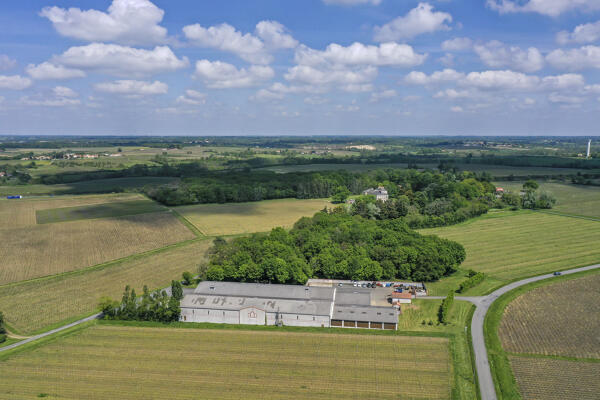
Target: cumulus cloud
point(352, 2)
point(119, 60)
point(60, 96)
point(585, 33)
point(131, 22)
point(47, 70)
point(132, 87)
point(14, 82)
point(421, 19)
point(421, 78)
point(346, 79)
point(386, 94)
point(221, 75)
point(585, 57)
point(270, 35)
point(506, 79)
point(6, 62)
point(496, 54)
point(192, 97)
point(63, 91)
point(386, 54)
point(552, 8)
point(456, 109)
point(264, 95)
point(563, 82)
point(565, 99)
point(457, 44)
point(453, 94)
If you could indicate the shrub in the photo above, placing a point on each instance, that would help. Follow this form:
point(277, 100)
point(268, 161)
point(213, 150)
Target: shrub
point(444, 311)
point(474, 280)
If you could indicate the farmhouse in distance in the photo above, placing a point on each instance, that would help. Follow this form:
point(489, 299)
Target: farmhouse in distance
point(380, 193)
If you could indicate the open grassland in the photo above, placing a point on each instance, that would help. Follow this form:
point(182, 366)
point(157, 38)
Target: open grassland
point(571, 199)
point(93, 186)
point(35, 305)
point(507, 246)
point(561, 319)
point(240, 218)
point(109, 362)
point(30, 251)
point(113, 209)
point(550, 379)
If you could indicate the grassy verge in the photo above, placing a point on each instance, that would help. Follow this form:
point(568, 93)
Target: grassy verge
point(504, 380)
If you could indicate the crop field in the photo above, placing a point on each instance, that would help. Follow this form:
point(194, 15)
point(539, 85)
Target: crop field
point(30, 251)
point(109, 362)
point(561, 319)
point(239, 218)
point(34, 305)
point(507, 245)
point(495, 170)
point(551, 379)
point(571, 199)
point(93, 186)
point(112, 209)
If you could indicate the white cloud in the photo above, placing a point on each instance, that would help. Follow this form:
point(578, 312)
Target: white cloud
point(49, 102)
point(14, 82)
point(315, 100)
point(386, 94)
point(267, 95)
point(192, 97)
point(496, 54)
point(421, 19)
point(63, 91)
point(585, 57)
point(131, 22)
point(456, 109)
point(6, 62)
point(564, 99)
point(453, 94)
point(563, 82)
point(420, 78)
point(47, 70)
point(344, 78)
point(585, 33)
point(119, 60)
point(386, 54)
point(447, 60)
point(275, 36)
point(352, 2)
point(132, 87)
point(457, 44)
point(552, 8)
point(221, 75)
point(500, 80)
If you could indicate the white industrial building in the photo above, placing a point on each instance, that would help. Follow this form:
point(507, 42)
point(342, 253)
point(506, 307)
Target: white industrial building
point(289, 305)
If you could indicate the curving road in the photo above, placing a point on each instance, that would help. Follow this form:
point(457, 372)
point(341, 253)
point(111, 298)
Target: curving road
point(482, 304)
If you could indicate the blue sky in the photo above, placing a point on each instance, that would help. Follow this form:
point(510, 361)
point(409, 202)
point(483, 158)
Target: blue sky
point(187, 67)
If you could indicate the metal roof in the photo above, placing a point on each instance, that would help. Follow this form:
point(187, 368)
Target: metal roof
point(360, 313)
point(353, 296)
point(265, 290)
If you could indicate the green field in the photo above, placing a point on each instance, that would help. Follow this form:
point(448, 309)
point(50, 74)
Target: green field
point(110, 362)
point(94, 186)
point(240, 218)
point(113, 209)
point(571, 199)
point(35, 305)
point(512, 245)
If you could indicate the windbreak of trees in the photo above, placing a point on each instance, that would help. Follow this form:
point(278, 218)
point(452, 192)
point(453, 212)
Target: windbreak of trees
point(2, 329)
point(335, 245)
point(150, 306)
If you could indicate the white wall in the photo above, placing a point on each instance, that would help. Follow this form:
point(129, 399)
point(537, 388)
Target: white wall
point(214, 316)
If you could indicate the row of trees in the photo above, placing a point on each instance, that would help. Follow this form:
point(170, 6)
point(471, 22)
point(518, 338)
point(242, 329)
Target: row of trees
point(335, 245)
point(150, 306)
point(475, 278)
point(2, 329)
point(444, 311)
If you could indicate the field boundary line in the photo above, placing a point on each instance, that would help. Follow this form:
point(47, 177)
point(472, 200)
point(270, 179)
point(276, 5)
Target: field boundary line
point(195, 230)
point(555, 357)
point(561, 214)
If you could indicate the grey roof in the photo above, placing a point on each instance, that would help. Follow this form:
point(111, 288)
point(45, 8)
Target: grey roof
point(236, 303)
point(353, 296)
point(265, 290)
point(361, 313)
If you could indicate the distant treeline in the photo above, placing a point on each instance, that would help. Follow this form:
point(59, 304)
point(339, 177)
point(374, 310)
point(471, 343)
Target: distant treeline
point(335, 245)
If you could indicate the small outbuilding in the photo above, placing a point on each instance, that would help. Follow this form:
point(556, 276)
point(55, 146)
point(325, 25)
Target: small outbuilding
point(401, 298)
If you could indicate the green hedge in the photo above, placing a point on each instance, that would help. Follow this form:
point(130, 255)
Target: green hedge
point(445, 308)
point(472, 281)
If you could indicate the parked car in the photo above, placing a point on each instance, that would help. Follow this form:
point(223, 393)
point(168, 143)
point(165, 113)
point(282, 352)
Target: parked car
point(557, 273)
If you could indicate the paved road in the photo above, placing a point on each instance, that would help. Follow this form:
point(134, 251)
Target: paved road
point(482, 304)
point(53, 331)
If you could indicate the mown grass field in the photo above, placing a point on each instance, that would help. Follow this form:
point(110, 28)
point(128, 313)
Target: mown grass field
point(552, 379)
point(561, 319)
point(571, 199)
point(511, 245)
point(35, 305)
point(109, 362)
point(30, 250)
point(107, 210)
point(240, 218)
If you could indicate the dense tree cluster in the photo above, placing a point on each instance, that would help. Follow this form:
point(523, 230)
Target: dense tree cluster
point(151, 306)
point(2, 329)
point(336, 246)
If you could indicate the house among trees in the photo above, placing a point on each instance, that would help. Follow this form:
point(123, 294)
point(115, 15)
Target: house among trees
point(380, 193)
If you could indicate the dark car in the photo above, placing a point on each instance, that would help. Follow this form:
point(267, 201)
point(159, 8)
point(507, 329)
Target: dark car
point(557, 273)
